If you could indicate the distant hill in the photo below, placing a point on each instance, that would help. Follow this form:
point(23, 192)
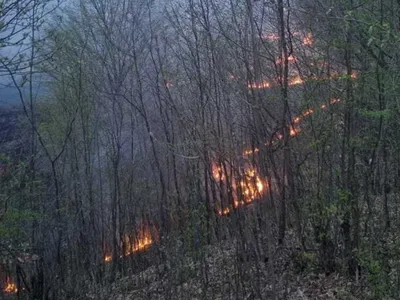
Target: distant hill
point(11, 141)
point(9, 96)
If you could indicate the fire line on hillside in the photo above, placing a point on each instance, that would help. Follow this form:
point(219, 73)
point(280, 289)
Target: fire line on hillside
point(247, 185)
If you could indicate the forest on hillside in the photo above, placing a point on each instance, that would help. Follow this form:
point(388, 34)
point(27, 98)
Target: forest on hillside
point(200, 149)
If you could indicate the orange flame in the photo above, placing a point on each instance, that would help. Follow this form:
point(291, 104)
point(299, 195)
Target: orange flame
point(295, 128)
point(294, 131)
point(250, 151)
point(10, 287)
point(259, 85)
point(296, 80)
point(248, 188)
point(218, 173)
point(296, 120)
point(308, 112)
point(143, 242)
point(251, 185)
point(146, 235)
point(224, 212)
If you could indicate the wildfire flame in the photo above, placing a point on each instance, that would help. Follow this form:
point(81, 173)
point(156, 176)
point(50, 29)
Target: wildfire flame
point(146, 235)
point(294, 131)
point(259, 85)
point(295, 128)
point(246, 189)
point(296, 80)
point(250, 151)
point(142, 242)
point(297, 120)
point(218, 173)
point(107, 258)
point(10, 287)
point(308, 112)
point(225, 211)
point(307, 40)
point(249, 187)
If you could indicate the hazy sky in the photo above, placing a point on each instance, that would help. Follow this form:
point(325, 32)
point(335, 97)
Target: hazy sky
point(18, 44)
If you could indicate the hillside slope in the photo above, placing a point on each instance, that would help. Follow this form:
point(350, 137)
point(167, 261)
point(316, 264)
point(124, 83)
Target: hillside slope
point(220, 275)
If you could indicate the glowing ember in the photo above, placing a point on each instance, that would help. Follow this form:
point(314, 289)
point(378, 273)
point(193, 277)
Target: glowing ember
point(236, 203)
point(250, 151)
point(142, 242)
point(107, 258)
point(294, 131)
point(308, 112)
point(308, 40)
point(296, 80)
point(10, 287)
point(259, 85)
point(218, 173)
point(224, 212)
point(297, 120)
point(334, 100)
